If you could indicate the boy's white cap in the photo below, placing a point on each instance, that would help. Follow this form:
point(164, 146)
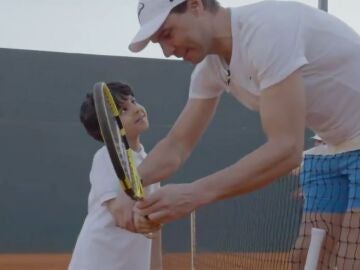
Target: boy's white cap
point(151, 15)
point(316, 137)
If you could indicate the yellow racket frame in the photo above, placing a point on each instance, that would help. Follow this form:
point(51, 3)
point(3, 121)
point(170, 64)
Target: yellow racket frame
point(134, 183)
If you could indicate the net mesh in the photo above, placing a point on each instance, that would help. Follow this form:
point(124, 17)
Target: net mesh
point(331, 190)
point(270, 228)
point(254, 231)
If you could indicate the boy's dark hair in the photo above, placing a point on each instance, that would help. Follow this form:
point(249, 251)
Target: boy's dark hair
point(120, 91)
point(210, 5)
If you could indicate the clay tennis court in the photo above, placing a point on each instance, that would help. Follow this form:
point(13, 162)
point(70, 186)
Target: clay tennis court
point(172, 261)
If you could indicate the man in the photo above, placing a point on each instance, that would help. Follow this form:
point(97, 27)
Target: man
point(297, 66)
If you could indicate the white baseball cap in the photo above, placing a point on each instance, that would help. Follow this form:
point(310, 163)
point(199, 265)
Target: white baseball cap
point(151, 15)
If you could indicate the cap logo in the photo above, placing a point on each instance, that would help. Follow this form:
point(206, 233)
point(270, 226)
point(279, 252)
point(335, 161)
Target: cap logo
point(141, 7)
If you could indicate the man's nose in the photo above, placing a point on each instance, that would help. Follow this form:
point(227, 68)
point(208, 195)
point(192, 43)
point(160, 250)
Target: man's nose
point(167, 49)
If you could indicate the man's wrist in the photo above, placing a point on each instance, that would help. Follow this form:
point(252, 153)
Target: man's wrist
point(201, 195)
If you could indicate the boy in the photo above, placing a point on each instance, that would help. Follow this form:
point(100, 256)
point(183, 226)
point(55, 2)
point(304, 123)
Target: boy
point(102, 245)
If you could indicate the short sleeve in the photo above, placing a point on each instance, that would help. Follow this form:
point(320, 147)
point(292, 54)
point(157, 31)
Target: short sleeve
point(276, 48)
point(104, 182)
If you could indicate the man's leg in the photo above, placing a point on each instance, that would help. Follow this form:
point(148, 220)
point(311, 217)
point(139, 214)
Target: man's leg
point(348, 249)
point(325, 193)
point(331, 223)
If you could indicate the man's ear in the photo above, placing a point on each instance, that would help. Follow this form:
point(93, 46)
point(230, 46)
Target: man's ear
point(195, 6)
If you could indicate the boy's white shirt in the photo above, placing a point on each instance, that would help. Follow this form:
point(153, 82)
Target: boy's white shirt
point(100, 244)
point(261, 58)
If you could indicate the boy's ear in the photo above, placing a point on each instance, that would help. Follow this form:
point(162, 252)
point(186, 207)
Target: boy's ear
point(195, 6)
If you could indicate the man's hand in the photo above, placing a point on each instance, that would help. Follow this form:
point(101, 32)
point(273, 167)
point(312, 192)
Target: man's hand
point(121, 209)
point(168, 203)
point(146, 226)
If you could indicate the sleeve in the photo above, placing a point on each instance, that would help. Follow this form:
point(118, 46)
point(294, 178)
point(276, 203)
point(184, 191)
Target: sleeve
point(276, 48)
point(104, 182)
point(205, 81)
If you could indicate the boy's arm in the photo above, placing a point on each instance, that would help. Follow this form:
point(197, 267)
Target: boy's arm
point(121, 210)
point(171, 152)
point(105, 187)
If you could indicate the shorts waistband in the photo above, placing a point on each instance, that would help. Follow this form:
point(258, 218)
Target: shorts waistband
point(349, 145)
point(328, 149)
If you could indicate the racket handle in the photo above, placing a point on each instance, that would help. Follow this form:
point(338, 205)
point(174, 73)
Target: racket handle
point(130, 193)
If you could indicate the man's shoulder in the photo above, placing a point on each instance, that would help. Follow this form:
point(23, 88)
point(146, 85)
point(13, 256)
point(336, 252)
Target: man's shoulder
point(268, 5)
point(267, 13)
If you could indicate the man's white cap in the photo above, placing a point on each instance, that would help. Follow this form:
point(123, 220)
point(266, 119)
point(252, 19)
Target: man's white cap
point(151, 15)
point(316, 137)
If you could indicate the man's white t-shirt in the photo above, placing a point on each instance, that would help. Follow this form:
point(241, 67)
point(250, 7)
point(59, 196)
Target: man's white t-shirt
point(100, 244)
point(273, 39)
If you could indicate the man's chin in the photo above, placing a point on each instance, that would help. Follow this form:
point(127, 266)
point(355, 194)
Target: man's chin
point(193, 59)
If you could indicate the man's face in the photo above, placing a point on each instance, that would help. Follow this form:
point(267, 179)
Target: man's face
point(183, 36)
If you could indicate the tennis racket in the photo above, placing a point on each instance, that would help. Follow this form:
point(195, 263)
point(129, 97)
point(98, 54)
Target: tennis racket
point(114, 136)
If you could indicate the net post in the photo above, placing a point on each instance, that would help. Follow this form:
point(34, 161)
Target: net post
point(323, 5)
point(193, 238)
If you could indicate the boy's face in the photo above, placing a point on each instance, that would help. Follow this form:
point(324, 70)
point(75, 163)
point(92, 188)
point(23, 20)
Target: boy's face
point(134, 117)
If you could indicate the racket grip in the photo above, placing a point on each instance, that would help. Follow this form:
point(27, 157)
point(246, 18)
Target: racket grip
point(130, 193)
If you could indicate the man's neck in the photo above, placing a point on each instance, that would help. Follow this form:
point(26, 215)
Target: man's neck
point(222, 38)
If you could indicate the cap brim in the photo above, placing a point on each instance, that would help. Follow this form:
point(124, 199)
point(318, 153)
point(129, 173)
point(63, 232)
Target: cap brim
point(142, 37)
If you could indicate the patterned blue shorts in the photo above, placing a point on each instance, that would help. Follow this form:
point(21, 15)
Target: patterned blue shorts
point(331, 183)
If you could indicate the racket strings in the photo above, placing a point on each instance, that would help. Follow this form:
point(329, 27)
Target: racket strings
point(124, 162)
point(135, 178)
point(121, 155)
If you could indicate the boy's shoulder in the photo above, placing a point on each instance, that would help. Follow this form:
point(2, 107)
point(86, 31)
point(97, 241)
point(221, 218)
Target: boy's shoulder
point(140, 154)
point(101, 154)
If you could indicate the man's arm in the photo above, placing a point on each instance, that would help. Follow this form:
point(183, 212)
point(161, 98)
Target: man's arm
point(171, 152)
point(282, 111)
point(167, 156)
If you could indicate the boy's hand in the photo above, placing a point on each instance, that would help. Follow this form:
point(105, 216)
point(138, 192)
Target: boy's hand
point(145, 226)
point(121, 210)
